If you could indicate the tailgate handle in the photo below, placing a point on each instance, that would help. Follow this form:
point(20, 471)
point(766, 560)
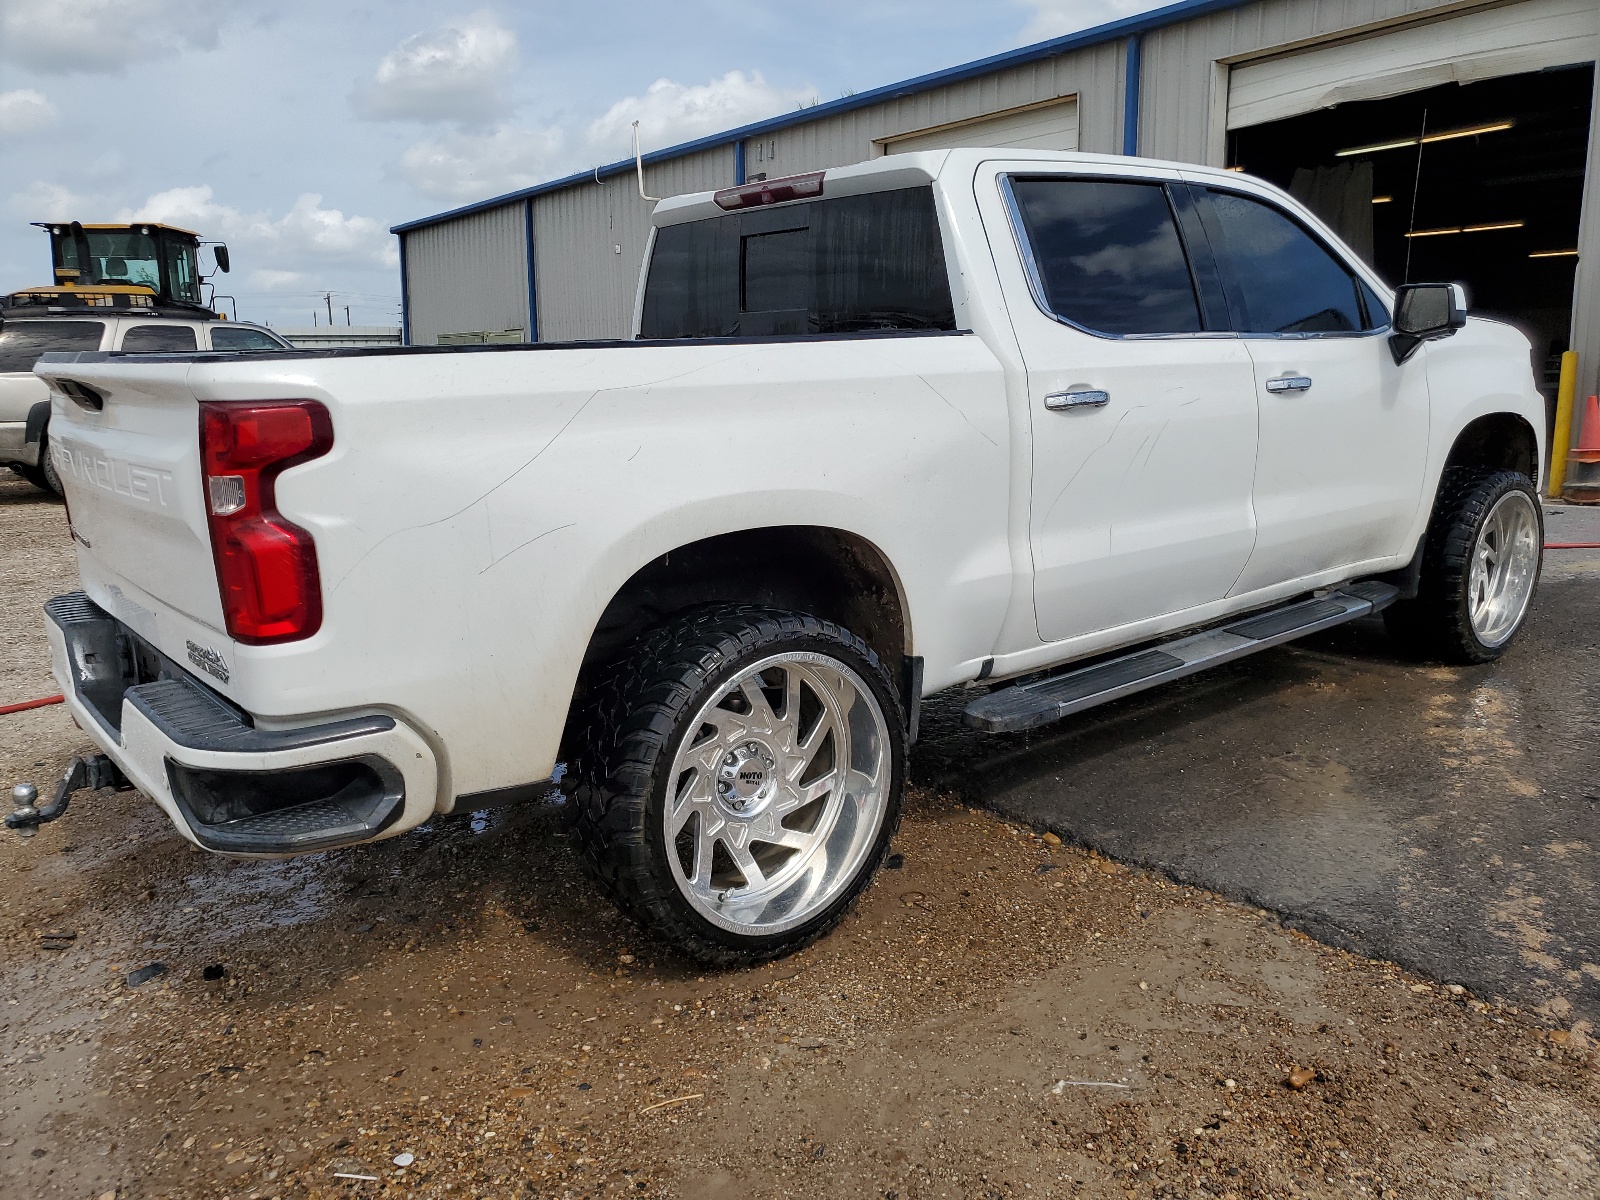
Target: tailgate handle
point(81, 394)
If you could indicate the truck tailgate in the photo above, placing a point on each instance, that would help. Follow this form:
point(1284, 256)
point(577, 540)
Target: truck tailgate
point(132, 474)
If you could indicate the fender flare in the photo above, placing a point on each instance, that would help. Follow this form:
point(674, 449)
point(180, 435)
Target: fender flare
point(38, 419)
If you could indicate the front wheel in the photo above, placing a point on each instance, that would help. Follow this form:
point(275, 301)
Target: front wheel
point(742, 780)
point(1480, 564)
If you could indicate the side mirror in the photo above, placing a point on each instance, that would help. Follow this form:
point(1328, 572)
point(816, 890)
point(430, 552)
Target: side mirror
point(222, 258)
point(1424, 312)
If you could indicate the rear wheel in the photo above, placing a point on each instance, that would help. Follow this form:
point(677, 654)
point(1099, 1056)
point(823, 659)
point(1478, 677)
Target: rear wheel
point(1480, 566)
point(742, 780)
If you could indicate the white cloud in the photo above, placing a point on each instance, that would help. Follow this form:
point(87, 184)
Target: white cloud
point(457, 73)
point(24, 111)
point(271, 281)
point(103, 36)
point(308, 235)
point(47, 202)
point(671, 112)
point(465, 166)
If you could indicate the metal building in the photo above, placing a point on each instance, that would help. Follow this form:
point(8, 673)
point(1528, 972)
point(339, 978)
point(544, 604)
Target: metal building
point(1442, 139)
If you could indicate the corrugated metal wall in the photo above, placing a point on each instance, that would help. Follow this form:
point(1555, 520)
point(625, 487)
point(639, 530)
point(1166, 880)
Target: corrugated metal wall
point(589, 244)
point(1183, 90)
point(1094, 75)
point(1586, 288)
point(468, 275)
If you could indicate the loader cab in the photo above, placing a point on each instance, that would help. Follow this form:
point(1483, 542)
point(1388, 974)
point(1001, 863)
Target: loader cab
point(143, 265)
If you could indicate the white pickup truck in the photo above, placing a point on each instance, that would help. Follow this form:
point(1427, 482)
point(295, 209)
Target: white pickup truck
point(1058, 427)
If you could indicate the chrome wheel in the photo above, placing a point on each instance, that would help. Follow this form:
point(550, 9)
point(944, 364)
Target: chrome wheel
point(777, 793)
point(1504, 566)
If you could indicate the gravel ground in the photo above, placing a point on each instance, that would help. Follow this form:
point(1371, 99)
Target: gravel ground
point(456, 1013)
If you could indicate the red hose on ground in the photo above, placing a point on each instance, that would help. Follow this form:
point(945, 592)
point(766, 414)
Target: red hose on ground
point(1572, 545)
point(27, 704)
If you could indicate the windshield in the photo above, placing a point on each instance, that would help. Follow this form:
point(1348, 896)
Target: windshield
point(22, 342)
point(122, 256)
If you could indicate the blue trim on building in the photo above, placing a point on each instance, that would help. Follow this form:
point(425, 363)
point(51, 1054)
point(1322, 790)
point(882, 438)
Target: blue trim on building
point(405, 298)
point(533, 290)
point(1130, 97)
point(738, 163)
point(1184, 10)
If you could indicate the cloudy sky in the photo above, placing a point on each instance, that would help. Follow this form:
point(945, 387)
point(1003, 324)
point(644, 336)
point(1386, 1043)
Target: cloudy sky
point(299, 132)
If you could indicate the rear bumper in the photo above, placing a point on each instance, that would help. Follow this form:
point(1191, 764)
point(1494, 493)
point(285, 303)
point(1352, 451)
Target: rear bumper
point(15, 446)
point(228, 784)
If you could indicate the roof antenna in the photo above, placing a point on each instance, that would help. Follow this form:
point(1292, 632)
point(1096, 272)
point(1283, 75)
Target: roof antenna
point(638, 164)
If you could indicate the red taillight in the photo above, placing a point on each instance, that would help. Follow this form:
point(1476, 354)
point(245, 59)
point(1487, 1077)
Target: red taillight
point(771, 191)
point(266, 566)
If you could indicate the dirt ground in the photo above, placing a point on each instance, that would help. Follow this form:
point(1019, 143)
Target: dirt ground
point(455, 1012)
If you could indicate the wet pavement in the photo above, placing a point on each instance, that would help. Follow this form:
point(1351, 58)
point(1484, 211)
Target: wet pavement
point(1444, 818)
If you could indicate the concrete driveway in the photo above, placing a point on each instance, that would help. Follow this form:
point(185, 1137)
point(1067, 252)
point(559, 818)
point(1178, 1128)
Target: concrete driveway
point(1444, 818)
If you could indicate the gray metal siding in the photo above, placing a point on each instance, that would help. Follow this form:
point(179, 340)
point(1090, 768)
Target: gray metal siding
point(1177, 102)
point(589, 244)
point(1093, 75)
point(1586, 287)
point(468, 275)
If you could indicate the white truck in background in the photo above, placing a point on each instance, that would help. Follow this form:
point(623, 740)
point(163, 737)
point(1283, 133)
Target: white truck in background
point(968, 417)
point(131, 287)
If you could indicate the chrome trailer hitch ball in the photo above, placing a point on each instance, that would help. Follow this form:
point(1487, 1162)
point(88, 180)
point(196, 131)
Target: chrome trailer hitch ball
point(82, 774)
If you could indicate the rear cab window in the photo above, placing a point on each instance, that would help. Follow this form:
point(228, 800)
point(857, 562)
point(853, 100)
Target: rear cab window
point(844, 265)
point(23, 342)
point(159, 339)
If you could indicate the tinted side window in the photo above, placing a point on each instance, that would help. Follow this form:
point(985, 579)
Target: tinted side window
point(1377, 309)
point(231, 337)
point(1279, 278)
point(828, 266)
point(154, 339)
point(22, 342)
point(1108, 255)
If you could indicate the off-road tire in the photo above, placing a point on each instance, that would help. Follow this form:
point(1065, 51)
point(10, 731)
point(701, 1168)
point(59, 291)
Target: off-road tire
point(1437, 623)
point(47, 468)
point(634, 722)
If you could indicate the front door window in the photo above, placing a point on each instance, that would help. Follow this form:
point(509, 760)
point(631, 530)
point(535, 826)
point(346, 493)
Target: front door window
point(1143, 415)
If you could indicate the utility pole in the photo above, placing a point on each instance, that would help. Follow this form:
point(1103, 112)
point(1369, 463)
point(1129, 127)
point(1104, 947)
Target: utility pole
point(347, 314)
point(329, 299)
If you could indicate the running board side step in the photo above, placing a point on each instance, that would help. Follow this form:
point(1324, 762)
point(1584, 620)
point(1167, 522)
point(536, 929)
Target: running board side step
point(1029, 705)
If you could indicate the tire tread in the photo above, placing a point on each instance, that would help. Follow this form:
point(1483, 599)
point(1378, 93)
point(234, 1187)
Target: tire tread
point(627, 734)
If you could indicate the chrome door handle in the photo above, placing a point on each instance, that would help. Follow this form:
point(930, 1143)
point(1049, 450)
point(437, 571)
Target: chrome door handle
point(1290, 383)
point(1057, 401)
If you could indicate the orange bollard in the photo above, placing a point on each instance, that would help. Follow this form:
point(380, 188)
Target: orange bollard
point(1588, 448)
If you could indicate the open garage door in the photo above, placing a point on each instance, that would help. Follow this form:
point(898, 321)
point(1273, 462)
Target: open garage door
point(1480, 183)
point(1495, 42)
point(1052, 125)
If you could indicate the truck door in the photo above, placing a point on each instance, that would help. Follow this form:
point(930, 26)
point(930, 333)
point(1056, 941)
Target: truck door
point(1344, 430)
point(1141, 402)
